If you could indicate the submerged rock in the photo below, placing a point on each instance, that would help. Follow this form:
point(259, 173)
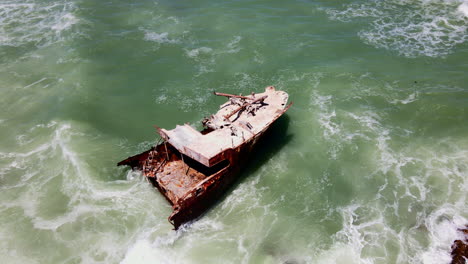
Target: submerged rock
point(460, 248)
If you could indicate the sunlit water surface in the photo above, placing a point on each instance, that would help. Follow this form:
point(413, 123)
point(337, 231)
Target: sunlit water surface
point(370, 164)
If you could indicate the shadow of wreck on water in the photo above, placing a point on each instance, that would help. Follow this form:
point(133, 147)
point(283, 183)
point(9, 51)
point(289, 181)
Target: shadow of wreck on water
point(269, 145)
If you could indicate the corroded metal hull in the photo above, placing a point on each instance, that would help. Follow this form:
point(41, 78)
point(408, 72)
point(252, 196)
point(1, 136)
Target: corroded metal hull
point(204, 194)
point(190, 186)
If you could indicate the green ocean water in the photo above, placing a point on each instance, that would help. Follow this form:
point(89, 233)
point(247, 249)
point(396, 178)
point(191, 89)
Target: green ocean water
point(368, 166)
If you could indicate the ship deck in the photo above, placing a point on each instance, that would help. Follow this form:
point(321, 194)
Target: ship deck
point(237, 121)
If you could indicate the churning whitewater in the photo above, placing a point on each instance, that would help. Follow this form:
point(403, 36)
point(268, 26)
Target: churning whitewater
point(368, 166)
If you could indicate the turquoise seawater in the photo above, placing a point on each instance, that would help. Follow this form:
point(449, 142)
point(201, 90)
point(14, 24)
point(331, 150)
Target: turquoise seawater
point(369, 165)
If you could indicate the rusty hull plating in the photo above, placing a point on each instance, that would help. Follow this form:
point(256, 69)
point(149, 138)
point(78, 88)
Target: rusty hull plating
point(193, 168)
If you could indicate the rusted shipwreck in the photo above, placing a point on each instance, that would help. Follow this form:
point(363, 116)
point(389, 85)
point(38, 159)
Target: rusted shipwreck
point(193, 168)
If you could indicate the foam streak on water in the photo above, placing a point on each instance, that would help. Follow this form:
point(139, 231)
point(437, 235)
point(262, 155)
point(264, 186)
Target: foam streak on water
point(23, 22)
point(424, 28)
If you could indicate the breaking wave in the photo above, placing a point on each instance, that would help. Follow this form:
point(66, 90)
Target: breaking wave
point(419, 202)
point(411, 28)
point(52, 189)
point(368, 237)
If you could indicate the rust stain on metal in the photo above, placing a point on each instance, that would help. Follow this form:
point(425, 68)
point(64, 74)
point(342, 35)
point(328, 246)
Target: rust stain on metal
point(193, 168)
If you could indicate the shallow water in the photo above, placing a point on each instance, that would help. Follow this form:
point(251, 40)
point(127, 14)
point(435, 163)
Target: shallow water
point(368, 166)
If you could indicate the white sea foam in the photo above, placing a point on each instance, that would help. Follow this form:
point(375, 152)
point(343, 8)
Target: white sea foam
point(145, 253)
point(441, 223)
point(65, 22)
point(443, 226)
point(420, 201)
point(33, 22)
point(195, 52)
point(161, 38)
point(327, 118)
point(162, 249)
point(39, 166)
point(245, 192)
point(53, 164)
point(411, 98)
point(463, 8)
point(367, 236)
point(411, 28)
point(362, 238)
point(340, 253)
point(326, 114)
